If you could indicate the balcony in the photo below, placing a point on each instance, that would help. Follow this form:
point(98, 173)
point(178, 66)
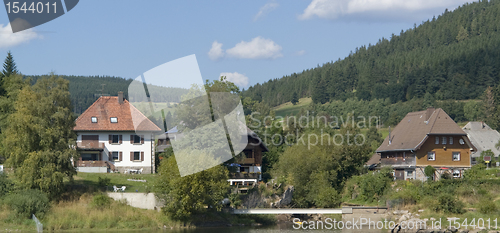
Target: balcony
point(246, 161)
point(96, 164)
point(244, 175)
point(91, 164)
point(398, 161)
point(90, 146)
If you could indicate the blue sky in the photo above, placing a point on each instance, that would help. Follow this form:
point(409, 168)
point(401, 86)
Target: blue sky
point(248, 41)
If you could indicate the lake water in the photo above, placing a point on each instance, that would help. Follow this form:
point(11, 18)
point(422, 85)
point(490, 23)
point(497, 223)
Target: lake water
point(282, 228)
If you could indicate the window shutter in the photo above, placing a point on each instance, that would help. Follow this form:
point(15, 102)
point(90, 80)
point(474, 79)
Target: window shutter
point(131, 156)
point(120, 140)
point(142, 156)
point(120, 156)
point(110, 156)
point(110, 139)
point(132, 139)
point(142, 139)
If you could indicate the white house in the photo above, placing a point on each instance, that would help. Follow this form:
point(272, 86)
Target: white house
point(108, 140)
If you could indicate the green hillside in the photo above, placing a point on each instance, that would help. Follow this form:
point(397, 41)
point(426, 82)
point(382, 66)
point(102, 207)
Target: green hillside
point(454, 56)
point(288, 109)
point(85, 90)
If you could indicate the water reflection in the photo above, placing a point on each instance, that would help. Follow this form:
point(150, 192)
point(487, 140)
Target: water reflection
point(282, 228)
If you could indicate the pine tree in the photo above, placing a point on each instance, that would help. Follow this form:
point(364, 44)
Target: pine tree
point(295, 98)
point(9, 66)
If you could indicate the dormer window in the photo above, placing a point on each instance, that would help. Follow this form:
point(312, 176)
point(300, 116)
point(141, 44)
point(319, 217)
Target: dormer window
point(113, 120)
point(94, 119)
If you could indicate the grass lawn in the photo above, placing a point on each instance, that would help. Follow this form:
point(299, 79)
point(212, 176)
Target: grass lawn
point(290, 109)
point(118, 179)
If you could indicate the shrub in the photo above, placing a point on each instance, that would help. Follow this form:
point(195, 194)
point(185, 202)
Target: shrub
point(429, 172)
point(100, 201)
point(409, 193)
point(486, 206)
point(449, 204)
point(102, 182)
point(446, 176)
point(25, 203)
point(6, 185)
point(477, 171)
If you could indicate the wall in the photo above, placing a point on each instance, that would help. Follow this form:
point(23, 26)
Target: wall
point(138, 200)
point(444, 156)
point(126, 147)
point(92, 169)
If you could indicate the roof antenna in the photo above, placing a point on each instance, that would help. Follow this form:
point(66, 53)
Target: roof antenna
point(390, 139)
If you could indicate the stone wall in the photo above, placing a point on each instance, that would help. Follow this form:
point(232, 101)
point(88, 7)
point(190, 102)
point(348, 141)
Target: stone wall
point(145, 170)
point(138, 200)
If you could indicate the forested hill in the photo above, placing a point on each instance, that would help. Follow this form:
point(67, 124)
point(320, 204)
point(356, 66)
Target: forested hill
point(453, 56)
point(85, 90)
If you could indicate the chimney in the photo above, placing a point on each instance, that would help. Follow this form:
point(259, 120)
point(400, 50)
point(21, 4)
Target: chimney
point(428, 113)
point(120, 97)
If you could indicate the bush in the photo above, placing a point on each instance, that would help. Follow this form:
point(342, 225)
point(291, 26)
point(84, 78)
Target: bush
point(6, 185)
point(25, 203)
point(486, 206)
point(100, 201)
point(102, 182)
point(429, 172)
point(449, 204)
point(409, 193)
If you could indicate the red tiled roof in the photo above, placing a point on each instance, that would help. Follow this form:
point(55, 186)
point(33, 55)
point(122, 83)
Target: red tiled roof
point(106, 107)
point(412, 131)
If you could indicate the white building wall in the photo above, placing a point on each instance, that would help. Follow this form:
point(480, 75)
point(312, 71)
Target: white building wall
point(126, 147)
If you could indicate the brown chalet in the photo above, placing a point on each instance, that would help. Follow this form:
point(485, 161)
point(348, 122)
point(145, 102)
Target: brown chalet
point(423, 138)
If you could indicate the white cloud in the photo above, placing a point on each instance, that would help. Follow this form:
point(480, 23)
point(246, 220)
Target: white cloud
point(9, 39)
point(216, 51)
point(257, 48)
point(332, 9)
point(300, 52)
point(236, 78)
point(264, 10)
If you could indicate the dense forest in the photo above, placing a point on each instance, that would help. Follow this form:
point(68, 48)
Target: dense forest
point(454, 56)
point(85, 90)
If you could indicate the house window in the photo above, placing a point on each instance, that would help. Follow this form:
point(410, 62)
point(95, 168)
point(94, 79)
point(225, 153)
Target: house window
point(456, 156)
point(451, 140)
point(137, 156)
point(115, 139)
point(431, 156)
point(437, 140)
point(114, 156)
point(94, 119)
point(113, 119)
point(456, 173)
point(90, 157)
point(409, 174)
point(137, 139)
point(444, 141)
point(248, 154)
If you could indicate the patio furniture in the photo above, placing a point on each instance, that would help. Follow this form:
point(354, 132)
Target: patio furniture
point(115, 188)
point(123, 188)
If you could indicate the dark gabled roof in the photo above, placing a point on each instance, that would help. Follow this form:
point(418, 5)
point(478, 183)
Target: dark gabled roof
point(108, 106)
point(415, 127)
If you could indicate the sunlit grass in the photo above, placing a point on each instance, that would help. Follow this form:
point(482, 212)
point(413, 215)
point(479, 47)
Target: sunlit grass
point(288, 109)
point(117, 179)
